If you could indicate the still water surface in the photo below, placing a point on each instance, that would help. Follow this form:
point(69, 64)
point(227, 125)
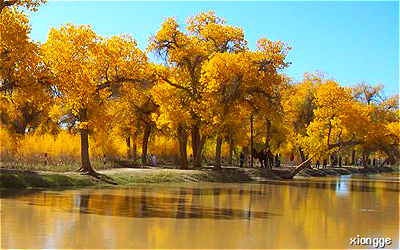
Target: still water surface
point(309, 213)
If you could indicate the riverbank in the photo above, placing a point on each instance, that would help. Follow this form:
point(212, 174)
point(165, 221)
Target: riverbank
point(19, 179)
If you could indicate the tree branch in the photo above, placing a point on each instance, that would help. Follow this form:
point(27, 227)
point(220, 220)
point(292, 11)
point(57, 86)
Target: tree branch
point(345, 143)
point(4, 4)
point(179, 87)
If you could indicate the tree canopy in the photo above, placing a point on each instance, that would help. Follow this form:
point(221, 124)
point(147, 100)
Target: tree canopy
point(208, 87)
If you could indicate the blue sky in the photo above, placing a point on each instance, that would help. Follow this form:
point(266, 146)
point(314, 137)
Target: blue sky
point(349, 41)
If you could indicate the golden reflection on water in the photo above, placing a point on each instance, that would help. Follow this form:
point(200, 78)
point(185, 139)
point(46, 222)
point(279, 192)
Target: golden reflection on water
point(316, 213)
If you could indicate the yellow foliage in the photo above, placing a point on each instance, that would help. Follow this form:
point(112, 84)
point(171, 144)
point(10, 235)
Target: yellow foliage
point(87, 66)
point(165, 148)
point(28, 4)
point(63, 148)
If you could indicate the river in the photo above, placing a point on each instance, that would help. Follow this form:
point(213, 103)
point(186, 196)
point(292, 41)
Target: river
point(303, 213)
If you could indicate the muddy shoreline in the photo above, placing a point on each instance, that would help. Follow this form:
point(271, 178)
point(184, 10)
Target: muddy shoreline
point(19, 179)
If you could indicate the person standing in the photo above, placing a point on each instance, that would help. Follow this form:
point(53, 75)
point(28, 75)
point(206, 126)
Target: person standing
point(154, 160)
point(291, 160)
point(241, 159)
point(104, 160)
point(324, 163)
point(277, 160)
point(317, 164)
point(262, 156)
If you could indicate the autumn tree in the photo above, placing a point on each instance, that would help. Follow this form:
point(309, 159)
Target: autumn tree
point(368, 94)
point(298, 103)
point(341, 121)
point(383, 114)
point(236, 84)
point(173, 112)
point(88, 69)
point(132, 110)
point(185, 50)
point(28, 4)
point(25, 91)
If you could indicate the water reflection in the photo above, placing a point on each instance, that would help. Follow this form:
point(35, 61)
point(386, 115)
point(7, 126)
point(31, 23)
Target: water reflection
point(346, 182)
point(342, 188)
point(146, 203)
point(313, 213)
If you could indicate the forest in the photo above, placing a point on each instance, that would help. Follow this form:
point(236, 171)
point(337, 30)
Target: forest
point(83, 101)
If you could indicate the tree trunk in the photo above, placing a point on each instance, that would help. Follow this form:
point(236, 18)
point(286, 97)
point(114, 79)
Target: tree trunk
point(197, 159)
point(128, 144)
point(182, 138)
point(134, 145)
point(353, 158)
point(230, 150)
point(302, 166)
point(384, 162)
point(251, 140)
point(20, 127)
point(218, 153)
point(86, 166)
point(304, 158)
point(144, 143)
point(364, 157)
point(195, 140)
point(268, 133)
point(391, 159)
point(246, 156)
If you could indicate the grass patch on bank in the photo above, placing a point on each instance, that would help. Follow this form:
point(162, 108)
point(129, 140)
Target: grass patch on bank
point(150, 177)
point(17, 181)
point(22, 179)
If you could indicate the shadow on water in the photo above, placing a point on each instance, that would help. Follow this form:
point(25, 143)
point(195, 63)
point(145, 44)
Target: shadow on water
point(211, 201)
point(15, 193)
point(145, 203)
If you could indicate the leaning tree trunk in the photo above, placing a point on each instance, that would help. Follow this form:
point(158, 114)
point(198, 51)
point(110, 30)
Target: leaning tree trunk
point(390, 156)
point(218, 153)
point(145, 142)
point(304, 158)
point(230, 150)
point(302, 166)
point(182, 138)
point(384, 162)
point(86, 166)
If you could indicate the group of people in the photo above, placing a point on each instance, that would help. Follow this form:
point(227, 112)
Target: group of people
point(337, 161)
point(270, 159)
point(265, 156)
point(374, 162)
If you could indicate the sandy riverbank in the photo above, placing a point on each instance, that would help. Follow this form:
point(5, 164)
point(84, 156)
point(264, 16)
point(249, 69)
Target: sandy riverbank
point(10, 178)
